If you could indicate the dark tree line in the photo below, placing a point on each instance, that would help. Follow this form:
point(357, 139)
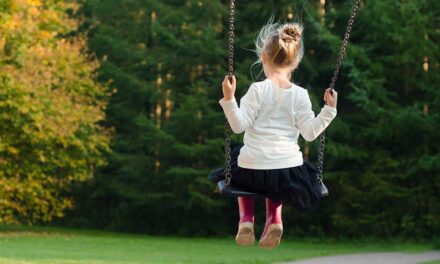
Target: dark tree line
point(167, 59)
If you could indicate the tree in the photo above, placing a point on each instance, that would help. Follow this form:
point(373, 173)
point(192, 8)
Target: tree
point(390, 171)
point(50, 107)
point(159, 66)
point(167, 59)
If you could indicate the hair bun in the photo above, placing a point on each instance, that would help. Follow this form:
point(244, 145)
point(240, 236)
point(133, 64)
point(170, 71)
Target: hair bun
point(290, 33)
point(281, 43)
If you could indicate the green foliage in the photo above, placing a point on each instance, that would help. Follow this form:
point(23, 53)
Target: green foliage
point(49, 109)
point(162, 59)
point(167, 59)
point(391, 181)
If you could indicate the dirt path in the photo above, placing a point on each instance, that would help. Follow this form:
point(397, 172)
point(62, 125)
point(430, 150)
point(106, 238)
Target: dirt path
point(374, 258)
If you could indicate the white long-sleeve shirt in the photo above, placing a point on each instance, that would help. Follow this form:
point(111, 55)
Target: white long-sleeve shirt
point(272, 119)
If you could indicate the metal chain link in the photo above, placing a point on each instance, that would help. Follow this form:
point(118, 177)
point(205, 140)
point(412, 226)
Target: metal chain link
point(227, 171)
point(320, 162)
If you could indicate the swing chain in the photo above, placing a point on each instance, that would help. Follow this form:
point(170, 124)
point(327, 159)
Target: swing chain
point(227, 171)
point(231, 38)
point(320, 162)
point(344, 43)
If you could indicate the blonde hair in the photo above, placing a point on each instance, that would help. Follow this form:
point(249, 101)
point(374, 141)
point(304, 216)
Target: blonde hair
point(283, 44)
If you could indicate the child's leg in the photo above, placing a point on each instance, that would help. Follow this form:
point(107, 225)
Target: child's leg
point(273, 212)
point(246, 207)
point(245, 235)
point(273, 228)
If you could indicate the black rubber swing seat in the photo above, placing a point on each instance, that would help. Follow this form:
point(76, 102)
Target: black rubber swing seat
point(232, 191)
point(229, 190)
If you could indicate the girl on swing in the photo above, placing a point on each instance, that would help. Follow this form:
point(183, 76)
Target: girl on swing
point(273, 113)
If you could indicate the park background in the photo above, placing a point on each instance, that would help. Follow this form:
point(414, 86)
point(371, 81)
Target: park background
point(109, 115)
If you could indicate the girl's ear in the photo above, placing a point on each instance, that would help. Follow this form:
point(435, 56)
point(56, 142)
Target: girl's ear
point(264, 57)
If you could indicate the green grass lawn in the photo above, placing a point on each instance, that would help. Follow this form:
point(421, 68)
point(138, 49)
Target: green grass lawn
point(50, 245)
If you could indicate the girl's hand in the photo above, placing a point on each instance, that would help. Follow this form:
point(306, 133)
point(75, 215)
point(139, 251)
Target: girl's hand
point(331, 97)
point(229, 87)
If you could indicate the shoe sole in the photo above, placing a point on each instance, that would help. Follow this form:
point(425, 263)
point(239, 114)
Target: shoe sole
point(245, 235)
point(272, 237)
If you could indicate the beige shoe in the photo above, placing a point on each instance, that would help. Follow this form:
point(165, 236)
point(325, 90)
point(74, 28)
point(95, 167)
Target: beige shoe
point(245, 235)
point(272, 237)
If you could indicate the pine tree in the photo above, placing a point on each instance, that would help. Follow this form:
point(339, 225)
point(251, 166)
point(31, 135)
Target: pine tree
point(167, 60)
point(164, 60)
point(393, 122)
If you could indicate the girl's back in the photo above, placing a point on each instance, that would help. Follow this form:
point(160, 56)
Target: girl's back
point(272, 138)
point(273, 118)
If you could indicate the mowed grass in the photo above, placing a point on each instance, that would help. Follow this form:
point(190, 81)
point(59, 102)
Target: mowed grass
point(56, 246)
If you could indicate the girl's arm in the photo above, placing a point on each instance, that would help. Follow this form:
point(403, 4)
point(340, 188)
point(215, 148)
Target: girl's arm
point(308, 125)
point(240, 118)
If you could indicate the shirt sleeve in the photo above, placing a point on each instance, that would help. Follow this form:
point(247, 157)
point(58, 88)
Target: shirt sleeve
point(240, 118)
point(309, 126)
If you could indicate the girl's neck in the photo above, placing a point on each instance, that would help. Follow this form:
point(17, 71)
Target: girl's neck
point(280, 77)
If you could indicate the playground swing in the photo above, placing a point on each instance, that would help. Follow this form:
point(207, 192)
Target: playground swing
point(224, 186)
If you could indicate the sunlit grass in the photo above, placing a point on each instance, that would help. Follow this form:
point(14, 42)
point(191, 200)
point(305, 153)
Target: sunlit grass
point(56, 246)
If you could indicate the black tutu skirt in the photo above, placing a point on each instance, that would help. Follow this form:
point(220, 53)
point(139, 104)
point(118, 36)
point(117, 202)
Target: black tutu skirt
point(297, 186)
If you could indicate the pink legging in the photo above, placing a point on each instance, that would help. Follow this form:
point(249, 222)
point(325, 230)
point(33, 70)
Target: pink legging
point(246, 208)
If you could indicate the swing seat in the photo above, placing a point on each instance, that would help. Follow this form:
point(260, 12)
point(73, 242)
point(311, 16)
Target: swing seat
point(232, 191)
